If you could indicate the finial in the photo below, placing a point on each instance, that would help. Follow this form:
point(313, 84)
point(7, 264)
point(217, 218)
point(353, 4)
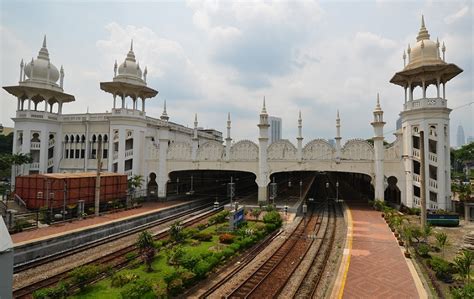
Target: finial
point(131, 45)
point(145, 72)
point(423, 33)
point(264, 109)
point(115, 68)
point(443, 48)
point(337, 114)
point(195, 120)
point(409, 49)
point(44, 41)
point(437, 42)
point(404, 58)
point(299, 115)
point(164, 115)
point(228, 116)
point(377, 107)
point(62, 69)
point(21, 63)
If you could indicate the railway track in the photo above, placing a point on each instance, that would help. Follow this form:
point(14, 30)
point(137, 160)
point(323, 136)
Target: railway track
point(117, 258)
point(310, 283)
point(268, 279)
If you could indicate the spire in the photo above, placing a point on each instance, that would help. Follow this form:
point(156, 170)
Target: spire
point(145, 72)
point(404, 58)
point(115, 68)
point(21, 70)
point(423, 33)
point(131, 45)
point(377, 106)
point(61, 78)
point(299, 116)
point(195, 120)
point(264, 109)
point(337, 117)
point(443, 48)
point(43, 52)
point(228, 127)
point(164, 116)
point(131, 55)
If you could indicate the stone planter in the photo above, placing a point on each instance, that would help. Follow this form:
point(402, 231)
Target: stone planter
point(401, 243)
point(396, 234)
point(407, 254)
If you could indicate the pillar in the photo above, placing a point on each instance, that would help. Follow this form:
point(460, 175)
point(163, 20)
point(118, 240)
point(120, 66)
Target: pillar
point(162, 178)
point(263, 177)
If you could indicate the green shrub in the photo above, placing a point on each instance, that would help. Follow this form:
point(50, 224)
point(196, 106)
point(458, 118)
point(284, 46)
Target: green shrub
point(212, 260)
point(203, 237)
point(228, 252)
point(442, 268)
point(118, 280)
point(160, 291)
point(175, 286)
point(188, 278)
point(414, 211)
point(83, 274)
point(235, 246)
point(189, 232)
point(138, 289)
point(175, 255)
point(219, 217)
point(226, 238)
point(246, 242)
point(130, 256)
point(379, 205)
point(202, 268)
point(423, 250)
point(273, 217)
point(169, 276)
point(188, 260)
point(176, 232)
point(57, 292)
point(466, 292)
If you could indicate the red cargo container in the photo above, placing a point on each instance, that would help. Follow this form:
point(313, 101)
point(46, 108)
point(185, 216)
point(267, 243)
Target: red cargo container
point(37, 189)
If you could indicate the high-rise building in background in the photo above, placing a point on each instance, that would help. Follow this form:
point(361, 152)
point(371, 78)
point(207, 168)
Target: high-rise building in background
point(275, 129)
point(461, 140)
point(470, 139)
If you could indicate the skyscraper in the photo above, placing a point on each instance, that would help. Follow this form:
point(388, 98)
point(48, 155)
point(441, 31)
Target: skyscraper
point(275, 129)
point(461, 140)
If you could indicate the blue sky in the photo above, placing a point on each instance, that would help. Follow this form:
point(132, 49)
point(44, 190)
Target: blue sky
point(214, 57)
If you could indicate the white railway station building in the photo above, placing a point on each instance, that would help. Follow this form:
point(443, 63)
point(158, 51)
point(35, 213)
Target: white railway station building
point(137, 144)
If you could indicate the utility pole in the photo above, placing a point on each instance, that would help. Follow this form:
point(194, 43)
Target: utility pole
point(64, 200)
point(422, 180)
point(97, 179)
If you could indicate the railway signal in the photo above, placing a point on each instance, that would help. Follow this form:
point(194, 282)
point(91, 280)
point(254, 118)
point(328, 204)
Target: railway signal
point(231, 189)
point(273, 190)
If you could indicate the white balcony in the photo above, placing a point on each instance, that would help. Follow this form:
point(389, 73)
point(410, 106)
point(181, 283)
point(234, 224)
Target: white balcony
point(416, 177)
point(433, 184)
point(51, 142)
point(35, 166)
point(433, 205)
point(128, 112)
point(115, 156)
point(433, 157)
point(416, 153)
point(129, 153)
point(129, 173)
point(35, 145)
point(425, 103)
point(50, 162)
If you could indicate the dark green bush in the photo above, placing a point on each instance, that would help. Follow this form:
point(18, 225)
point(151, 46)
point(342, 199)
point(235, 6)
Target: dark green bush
point(235, 246)
point(83, 274)
point(228, 252)
point(138, 289)
point(201, 226)
point(57, 292)
point(202, 268)
point(188, 260)
point(175, 286)
point(130, 256)
point(212, 260)
point(466, 292)
point(442, 268)
point(188, 278)
point(274, 218)
point(219, 218)
point(203, 237)
point(423, 250)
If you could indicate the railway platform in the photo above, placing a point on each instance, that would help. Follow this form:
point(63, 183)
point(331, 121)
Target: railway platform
point(64, 228)
point(373, 264)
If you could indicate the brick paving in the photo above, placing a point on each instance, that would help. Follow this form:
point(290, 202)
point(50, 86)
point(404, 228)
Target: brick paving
point(62, 228)
point(377, 266)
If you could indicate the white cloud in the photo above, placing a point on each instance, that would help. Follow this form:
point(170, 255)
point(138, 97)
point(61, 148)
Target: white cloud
point(457, 15)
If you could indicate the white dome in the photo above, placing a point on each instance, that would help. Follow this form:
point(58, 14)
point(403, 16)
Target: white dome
point(130, 69)
point(425, 52)
point(41, 69)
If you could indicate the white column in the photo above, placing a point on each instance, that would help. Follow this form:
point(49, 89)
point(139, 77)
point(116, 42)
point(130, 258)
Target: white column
point(115, 100)
point(300, 138)
point(441, 166)
point(121, 151)
point(18, 104)
point(143, 104)
point(162, 178)
point(425, 127)
point(263, 177)
point(44, 151)
point(338, 137)
point(444, 90)
point(228, 140)
point(447, 165)
point(195, 140)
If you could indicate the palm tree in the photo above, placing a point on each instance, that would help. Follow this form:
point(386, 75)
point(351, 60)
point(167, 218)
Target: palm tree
point(441, 241)
point(463, 263)
point(146, 248)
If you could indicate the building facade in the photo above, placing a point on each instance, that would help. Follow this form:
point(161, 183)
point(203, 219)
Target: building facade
point(124, 139)
point(274, 129)
point(128, 141)
point(460, 138)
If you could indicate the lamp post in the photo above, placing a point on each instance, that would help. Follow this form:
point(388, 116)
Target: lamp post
point(337, 191)
point(177, 186)
point(327, 191)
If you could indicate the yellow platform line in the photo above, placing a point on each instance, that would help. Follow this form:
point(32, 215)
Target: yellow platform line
point(338, 289)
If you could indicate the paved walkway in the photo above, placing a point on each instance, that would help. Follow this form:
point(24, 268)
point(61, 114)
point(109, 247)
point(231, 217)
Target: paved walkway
point(377, 267)
point(68, 227)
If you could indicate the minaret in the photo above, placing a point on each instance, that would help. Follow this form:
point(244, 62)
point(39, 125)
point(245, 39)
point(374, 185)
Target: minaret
point(195, 139)
point(263, 175)
point(228, 140)
point(425, 67)
point(338, 137)
point(164, 116)
point(163, 132)
point(378, 138)
point(300, 137)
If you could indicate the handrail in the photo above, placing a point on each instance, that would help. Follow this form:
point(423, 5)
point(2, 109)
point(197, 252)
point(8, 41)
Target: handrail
point(19, 201)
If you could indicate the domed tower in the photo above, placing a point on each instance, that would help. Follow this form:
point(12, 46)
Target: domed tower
point(128, 141)
point(426, 67)
point(37, 127)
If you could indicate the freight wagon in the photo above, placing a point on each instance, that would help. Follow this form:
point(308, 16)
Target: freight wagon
point(53, 189)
